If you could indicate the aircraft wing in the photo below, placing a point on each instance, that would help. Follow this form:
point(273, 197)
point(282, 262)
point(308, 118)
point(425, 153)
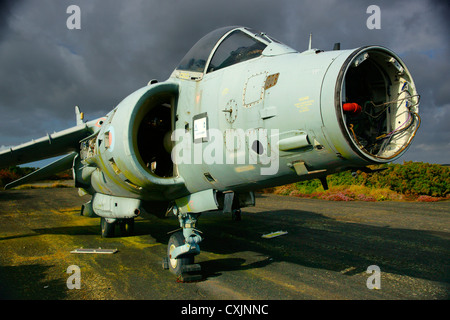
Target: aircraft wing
point(55, 167)
point(52, 145)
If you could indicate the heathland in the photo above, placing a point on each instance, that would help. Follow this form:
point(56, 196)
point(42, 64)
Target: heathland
point(410, 181)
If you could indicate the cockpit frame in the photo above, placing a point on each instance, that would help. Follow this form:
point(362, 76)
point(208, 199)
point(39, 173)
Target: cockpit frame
point(193, 67)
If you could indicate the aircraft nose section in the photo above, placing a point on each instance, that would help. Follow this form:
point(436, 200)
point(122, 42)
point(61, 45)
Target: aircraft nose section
point(376, 104)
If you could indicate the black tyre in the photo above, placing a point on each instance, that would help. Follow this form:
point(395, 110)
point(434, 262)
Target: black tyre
point(107, 228)
point(126, 227)
point(236, 215)
point(176, 265)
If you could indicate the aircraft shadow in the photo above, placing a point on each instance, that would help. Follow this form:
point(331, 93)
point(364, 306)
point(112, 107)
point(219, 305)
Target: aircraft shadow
point(15, 195)
point(30, 282)
point(313, 240)
point(214, 268)
point(316, 241)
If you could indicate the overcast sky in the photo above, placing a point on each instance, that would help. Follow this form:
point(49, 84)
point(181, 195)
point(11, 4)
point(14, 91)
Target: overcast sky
point(47, 69)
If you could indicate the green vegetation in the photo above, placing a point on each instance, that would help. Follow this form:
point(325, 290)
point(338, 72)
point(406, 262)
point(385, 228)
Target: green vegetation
point(14, 173)
point(408, 181)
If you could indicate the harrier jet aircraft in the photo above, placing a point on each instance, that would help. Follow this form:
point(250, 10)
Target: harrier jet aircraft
point(242, 111)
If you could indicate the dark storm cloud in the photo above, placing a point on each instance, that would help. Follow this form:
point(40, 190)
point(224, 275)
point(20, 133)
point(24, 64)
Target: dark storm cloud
point(47, 68)
point(6, 9)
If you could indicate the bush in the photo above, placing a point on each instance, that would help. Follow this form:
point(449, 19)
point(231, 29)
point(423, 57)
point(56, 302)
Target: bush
point(410, 180)
point(7, 176)
point(415, 178)
point(13, 173)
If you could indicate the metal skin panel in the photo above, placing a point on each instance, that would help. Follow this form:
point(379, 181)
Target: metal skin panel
point(115, 207)
point(198, 202)
point(331, 125)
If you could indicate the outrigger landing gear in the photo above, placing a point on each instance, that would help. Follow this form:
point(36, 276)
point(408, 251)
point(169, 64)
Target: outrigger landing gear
point(182, 248)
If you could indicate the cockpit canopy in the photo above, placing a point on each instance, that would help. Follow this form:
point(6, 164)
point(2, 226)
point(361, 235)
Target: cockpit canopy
point(224, 47)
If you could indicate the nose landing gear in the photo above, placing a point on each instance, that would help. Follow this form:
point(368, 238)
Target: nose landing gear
point(182, 248)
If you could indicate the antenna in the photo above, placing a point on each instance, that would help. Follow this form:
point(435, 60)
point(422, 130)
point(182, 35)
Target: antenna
point(79, 115)
point(310, 41)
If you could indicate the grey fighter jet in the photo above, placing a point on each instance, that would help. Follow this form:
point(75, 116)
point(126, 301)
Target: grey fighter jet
point(241, 112)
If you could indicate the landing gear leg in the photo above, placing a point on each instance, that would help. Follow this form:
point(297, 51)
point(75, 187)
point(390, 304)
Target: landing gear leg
point(236, 215)
point(108, 226)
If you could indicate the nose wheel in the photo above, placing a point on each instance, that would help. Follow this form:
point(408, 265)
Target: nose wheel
point(177, 265)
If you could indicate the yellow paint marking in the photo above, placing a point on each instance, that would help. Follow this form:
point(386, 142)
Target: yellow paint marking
point(304, 104)
point(244, 168)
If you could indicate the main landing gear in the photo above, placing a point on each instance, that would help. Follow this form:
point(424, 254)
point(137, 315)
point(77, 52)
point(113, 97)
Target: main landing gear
point(108, 227)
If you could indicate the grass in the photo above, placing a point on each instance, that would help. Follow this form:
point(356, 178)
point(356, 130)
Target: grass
point(49, 185)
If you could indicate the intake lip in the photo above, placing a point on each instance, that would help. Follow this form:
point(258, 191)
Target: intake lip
point(375, 79)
